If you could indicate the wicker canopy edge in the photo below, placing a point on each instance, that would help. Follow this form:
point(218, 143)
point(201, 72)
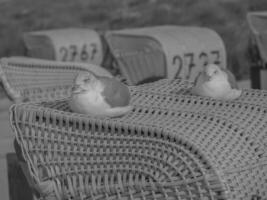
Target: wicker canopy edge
point(36, 62)
point(28, 79)
point(203, 181)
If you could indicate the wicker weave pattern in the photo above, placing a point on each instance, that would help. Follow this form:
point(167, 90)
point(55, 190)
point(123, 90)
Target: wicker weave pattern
point(251, 118)
point(81, 156)
point(248, 113)
point(173, 145)
point(210, 141)
point(179, 86)
point(189, 122)
point(38, 80)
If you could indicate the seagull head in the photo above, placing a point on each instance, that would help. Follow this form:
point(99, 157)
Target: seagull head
point(214, 72)
point(86, 82)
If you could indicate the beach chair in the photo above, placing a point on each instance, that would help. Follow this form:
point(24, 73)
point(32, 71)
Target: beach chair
point(30, 79)
point(151, 53)
point(171, 145)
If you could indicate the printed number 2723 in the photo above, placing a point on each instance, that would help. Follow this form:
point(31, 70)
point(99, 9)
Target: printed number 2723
point(192, 60)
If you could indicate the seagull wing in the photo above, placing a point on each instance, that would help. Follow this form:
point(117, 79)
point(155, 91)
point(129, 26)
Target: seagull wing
point(117, 111)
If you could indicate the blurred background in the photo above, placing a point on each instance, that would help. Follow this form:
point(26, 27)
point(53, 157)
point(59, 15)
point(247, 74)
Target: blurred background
point(226, 17)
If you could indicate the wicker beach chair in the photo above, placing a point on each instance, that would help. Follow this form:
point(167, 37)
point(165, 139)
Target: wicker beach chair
point(28, 79)
point(145, 54)
point(171, 146)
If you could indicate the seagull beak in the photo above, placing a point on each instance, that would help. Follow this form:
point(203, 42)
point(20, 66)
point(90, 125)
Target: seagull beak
point(207, 76)
point(76, 89)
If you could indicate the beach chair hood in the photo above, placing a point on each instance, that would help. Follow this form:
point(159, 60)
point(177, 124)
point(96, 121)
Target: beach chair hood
point(71, 44)
point(186, 50)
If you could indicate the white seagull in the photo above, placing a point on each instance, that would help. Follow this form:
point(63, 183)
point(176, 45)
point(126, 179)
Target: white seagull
point(216, 83)
point(99, 96)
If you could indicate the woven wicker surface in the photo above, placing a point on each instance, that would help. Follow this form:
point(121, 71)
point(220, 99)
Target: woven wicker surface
point(182, 87)
point(250, 117)
point(78, 155)
point(27, 79)
point(171, 146)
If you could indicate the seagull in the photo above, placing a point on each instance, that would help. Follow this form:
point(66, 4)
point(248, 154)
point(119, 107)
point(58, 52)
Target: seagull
point(216, 83)
point(99, 96)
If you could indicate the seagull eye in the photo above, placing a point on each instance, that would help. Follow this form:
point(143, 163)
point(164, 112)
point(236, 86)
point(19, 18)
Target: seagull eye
point(87, 80)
